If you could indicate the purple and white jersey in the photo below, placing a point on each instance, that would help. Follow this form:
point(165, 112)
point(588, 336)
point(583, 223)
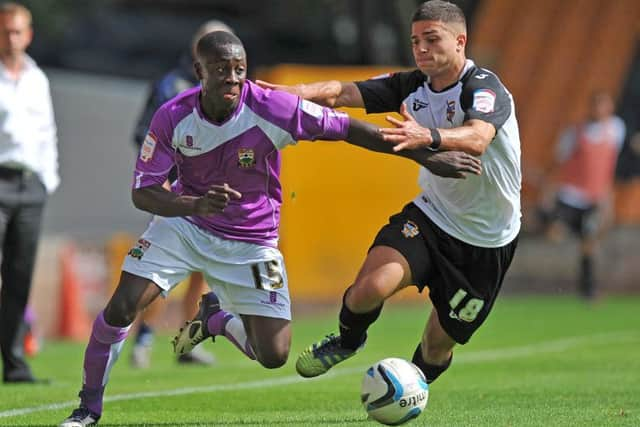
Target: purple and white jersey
point(243, 151)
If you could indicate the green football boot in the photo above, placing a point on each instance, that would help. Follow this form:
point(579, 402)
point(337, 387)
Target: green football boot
point(321, 356)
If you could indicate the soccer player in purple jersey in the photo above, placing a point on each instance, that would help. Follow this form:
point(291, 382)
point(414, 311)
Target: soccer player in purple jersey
point(222, 216)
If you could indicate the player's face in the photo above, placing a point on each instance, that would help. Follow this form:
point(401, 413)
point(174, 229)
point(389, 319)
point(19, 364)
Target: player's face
point(15, 34)
point(435, 46)
point(601, 107)
point(222, 75)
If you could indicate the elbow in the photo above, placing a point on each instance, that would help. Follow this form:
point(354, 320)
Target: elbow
point(477, 147)
point(138, 200)
point(476, 150)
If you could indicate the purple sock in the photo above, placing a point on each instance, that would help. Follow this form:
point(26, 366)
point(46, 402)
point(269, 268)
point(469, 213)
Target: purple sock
point(101, 354)
point(225, 323)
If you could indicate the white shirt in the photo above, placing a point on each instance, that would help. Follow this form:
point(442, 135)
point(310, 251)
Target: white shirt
point(27, 126)
point(480, 210)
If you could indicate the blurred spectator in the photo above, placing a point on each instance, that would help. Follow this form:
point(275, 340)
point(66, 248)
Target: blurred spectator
point(580, 198)
point(28, 171)
point(179, 79)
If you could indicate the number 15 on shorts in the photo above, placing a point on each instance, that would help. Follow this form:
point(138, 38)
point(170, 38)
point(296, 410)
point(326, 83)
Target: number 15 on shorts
point(267, 275)
point(467, 312)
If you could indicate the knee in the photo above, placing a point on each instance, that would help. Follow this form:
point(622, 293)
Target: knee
point(274, 354)
point(120, 313)
point(367, 293)
point(273, 360)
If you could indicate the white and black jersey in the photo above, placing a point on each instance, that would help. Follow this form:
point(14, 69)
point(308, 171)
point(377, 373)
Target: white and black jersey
point(479, 210)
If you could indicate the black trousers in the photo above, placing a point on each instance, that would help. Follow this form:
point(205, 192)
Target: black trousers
point(22, 200)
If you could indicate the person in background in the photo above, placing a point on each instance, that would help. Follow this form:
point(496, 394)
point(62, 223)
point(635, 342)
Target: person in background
point(28, 173)
point(179, 79)
point(580, 194)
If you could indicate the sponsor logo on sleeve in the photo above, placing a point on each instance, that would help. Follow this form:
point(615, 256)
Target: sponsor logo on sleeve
point(311, 108)
point(148, 147)
point(139, 249)
point(484, 101)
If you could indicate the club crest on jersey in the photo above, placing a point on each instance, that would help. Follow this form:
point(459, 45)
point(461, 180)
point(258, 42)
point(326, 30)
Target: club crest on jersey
point(484, 100)
point(148, 147)
point(139, 249)
point(451, 111)
point(246, 158)
point(419, 105)
point(410, 230)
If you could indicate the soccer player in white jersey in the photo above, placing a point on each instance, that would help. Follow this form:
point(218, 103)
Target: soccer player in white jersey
point(222, 215)
point(457, 236)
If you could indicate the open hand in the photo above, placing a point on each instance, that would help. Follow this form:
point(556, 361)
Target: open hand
point(216, 200)
point(407, 134)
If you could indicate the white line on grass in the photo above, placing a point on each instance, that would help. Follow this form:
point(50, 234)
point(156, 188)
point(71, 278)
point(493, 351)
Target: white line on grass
point(558, 345)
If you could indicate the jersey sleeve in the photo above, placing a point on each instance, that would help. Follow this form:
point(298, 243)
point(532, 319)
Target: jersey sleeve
point(288, 118)
point(156, 157)
point(485, 98)
point(385, 93)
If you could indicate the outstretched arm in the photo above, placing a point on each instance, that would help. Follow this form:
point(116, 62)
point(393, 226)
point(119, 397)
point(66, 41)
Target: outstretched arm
point(473, 137)
point(447, 164)
point(331, 93)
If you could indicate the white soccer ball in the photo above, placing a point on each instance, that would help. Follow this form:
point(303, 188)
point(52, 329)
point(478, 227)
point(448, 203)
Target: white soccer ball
point(394, 391)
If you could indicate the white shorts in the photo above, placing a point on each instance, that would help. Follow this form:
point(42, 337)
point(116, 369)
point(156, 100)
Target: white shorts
point(247, 278)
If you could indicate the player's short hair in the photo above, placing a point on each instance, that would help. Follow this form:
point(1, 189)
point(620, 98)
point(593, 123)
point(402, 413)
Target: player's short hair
point(440, 10)
point(209, 27)
point(11, 8)
point(211, 42)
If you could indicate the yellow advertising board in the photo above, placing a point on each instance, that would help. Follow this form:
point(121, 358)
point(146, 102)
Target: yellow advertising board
point(336, 196)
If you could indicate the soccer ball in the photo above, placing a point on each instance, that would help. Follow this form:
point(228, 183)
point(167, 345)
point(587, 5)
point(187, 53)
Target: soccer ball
point(394, 391)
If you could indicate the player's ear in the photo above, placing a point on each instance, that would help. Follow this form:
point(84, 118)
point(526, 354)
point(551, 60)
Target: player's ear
point(197, 68)
point(461, 42)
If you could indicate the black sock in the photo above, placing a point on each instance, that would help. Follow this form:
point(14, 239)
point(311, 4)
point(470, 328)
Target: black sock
point(587, 283)
point(431, 372)
point(353, 326)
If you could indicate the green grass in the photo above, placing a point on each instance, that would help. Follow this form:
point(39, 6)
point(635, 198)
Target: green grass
point(537, 361)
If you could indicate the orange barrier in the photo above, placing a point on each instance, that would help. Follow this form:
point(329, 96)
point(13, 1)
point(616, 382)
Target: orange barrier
point(75, 323)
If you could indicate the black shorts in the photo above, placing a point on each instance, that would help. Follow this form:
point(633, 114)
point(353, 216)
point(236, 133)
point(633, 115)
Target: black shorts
point(463, 279)
point(584, 222)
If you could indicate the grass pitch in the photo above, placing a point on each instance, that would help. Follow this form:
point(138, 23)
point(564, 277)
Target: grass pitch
point(537, 361)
